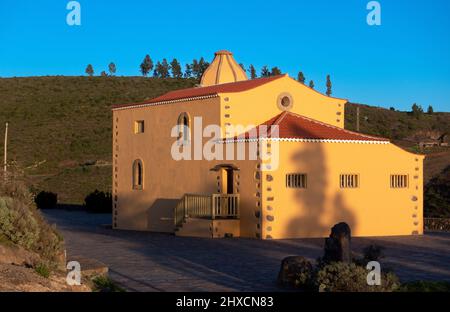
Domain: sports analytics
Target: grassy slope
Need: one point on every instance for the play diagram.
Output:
(59, 126)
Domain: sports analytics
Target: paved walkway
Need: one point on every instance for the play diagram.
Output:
(143, 261)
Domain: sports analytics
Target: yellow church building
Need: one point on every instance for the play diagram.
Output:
(314, 173)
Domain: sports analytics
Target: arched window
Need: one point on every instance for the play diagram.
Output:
(138, 175)
(184, 126)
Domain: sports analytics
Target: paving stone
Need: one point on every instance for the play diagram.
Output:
(143, 261)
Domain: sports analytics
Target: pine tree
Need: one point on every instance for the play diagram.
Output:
(90, 70)
(203, 65)
(146, 65)
(156, 73)
(301, 77)
(112, 68)
(311, 84)
(164, 69)
(188, 71)
(103, 74)
(252, 71)
(430, 110)
(328, 86)
(265, 71)
(242, 66)
(195, 69)
(416, 110)
(275, 71)
(175, 68)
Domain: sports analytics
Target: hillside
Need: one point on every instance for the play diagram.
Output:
(60, 127)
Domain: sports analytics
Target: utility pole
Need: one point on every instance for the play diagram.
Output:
(6, 149)
(357, 118)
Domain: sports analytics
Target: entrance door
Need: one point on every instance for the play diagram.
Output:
(227, 181)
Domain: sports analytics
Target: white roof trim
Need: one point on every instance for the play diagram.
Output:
(304, 140)
(168, 102)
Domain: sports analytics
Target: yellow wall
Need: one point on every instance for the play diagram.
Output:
(373, 209)
(165, 180)
(258, 105)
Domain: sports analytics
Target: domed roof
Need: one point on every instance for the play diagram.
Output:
(223, 69)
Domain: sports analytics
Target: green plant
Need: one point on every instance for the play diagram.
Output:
(22, 224)
(46, 200)
(43, 270)
(425, 286)
(349, 277)
(105, 284)
(98, 202)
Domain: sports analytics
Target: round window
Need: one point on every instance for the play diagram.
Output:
(285, 101)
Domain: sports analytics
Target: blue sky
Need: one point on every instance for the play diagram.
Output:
(405, 60)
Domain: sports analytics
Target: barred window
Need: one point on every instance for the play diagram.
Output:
(296, 180)
(349, 180)
(399, 181)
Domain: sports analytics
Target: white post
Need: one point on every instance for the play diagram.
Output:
(6, 149)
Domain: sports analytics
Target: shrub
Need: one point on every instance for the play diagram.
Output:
(425, 286)
(373, 253)
(46, 200)
(370, 253)
(43, 270)
(297, 272)
(105, 284)
(349, 277)
(22, 224)
(98, 202)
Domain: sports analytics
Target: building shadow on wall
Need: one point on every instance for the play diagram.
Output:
(320, 209)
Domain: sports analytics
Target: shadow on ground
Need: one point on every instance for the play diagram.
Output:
(144, 261)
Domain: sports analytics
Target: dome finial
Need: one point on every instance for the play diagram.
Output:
(223, 69)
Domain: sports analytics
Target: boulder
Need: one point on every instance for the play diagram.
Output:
(12, 254)
(337, 246)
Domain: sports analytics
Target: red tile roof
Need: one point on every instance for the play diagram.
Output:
(206, 91)
(294, 126)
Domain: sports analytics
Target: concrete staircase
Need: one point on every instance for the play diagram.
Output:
(195, 227)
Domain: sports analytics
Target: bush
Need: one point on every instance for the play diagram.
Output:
(370, 253)
(105, 284)
(46, 200)
(22, 224)
(349, 277)
(43, 270)
(98, 202)
(425, 286)
(297, 272)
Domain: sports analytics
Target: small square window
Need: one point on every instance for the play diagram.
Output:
(139, 126)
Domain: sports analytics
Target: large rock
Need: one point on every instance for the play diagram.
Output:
(17, 255)
(294, 270)
(337, 246)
